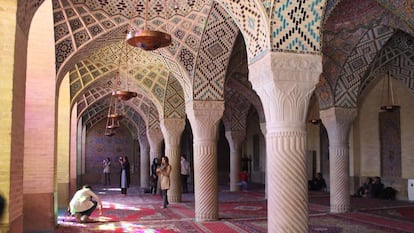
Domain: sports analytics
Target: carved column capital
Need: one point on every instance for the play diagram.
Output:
(205, 117)
(172, 129)
(285, 82)
(338, 122)
(235, 136)
(154, 136)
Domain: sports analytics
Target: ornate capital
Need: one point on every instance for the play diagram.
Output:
(155, 137)
(285, 83)
(235, 137)
(172, 129)
(338, 122)
(204, 117)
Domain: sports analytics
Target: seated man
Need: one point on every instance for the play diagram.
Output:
(317, 183)
(83, 203)
(364, 189)
(376, 188)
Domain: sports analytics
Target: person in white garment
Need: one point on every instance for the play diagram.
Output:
(83, 203)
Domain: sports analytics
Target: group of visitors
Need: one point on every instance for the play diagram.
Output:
(85, 201)
(161, 170)
(184, 174)
(374, 188)
(125, 174)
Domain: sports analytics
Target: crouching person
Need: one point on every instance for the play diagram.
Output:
(83, 203)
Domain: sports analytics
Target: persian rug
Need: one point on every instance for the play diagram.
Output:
(239, 212)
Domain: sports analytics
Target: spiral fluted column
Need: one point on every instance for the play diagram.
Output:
(155, 138)
(172, 130)
(263, 130)
(204, 117)
(235, 139)
(338, 122)
(144, 160)
(284, 83)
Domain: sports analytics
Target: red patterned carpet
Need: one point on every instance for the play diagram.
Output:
(238, 212)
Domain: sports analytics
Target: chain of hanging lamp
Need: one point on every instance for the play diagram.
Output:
(116, 110)
(388, 96)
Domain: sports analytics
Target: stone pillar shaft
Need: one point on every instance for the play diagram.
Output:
(144, 160)
(285, 83)
(235, 139)
(338, 122)
(172, 130)
(204, 117)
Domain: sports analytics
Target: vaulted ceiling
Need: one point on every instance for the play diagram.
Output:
(212, 44)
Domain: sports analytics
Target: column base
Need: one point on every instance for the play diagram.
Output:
(173, 199)
(206, 217)
(38, 212)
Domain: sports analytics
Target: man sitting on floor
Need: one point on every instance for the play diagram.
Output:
(83, 203)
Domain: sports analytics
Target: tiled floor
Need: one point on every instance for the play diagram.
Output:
(238, 212)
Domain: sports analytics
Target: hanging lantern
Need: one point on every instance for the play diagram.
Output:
(148, 39)
(390, 99)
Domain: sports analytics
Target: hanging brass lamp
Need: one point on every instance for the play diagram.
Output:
(113, 117)
(390, 104)
(148, 39)
(123, 94)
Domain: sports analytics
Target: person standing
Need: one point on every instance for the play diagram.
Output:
(154, 176)
(107, 171)
(185, 173)
(83, 203)
(125, 174)
(164, 172)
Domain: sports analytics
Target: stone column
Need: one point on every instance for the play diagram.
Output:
(40, 127)
(235, 139)
(155, 140)
(284, 83)
(338, 122)
(172, 130)
(263, 130)
(144, 159)
(204, 117)
(73, 151)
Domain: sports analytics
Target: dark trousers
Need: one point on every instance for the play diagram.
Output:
(89, 211)
(107, 179)
(164, 197)
(153, 184)
(184, 179)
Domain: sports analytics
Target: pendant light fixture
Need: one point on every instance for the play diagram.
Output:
(123, 94)
(389, 99)
(115, 114)
(148, 39)
(116, 109)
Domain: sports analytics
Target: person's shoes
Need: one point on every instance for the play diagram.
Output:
(78, 217)
(163, 207)
(84, 219)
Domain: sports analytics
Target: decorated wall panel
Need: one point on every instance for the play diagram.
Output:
(358, 62)
(98, 147)
(208, 83)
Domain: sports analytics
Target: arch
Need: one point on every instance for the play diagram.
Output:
(213, 57)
